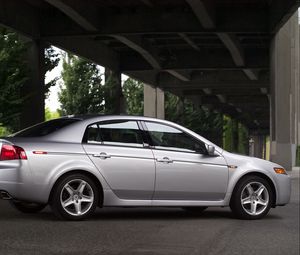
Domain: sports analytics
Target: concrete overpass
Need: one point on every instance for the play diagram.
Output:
(240, 57)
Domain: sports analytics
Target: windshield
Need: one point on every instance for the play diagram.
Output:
(45, 128)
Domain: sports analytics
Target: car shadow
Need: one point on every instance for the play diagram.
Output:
(124, 214)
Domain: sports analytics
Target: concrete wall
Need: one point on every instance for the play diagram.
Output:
(284, 97)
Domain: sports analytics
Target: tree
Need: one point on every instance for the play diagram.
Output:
(82, 92)
(13, 75)
(133, 92)
(201, 120)
(49, 115)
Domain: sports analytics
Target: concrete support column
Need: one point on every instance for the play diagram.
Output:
(259, 146)
(116, 103)
(154, 102)
(284, 95)
(33, 109)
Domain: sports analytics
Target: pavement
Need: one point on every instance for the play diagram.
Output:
(146, 231)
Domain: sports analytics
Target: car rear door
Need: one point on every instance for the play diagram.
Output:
(184, 171)
(117, 149)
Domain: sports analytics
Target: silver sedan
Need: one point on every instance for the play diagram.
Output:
(75, 164)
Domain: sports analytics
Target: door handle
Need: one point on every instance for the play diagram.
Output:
(102, 155)
(165, 160)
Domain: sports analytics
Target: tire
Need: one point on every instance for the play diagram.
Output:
(74, 197)
(252, 198)
(26, 207)
(195, 209)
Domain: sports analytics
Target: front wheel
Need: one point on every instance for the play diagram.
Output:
(75, 197)
(252, 198)
(27, 207)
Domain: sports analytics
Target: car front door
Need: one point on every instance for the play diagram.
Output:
(184, 171)
(117, 150)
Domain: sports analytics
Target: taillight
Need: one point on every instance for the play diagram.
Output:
(10, 152)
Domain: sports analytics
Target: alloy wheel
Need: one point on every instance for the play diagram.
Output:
(77, 197)
(254, 198)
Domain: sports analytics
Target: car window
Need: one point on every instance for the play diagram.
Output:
(169, 138)
(45, 128)
(123, 133)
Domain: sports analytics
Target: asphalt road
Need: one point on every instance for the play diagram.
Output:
(147, 231)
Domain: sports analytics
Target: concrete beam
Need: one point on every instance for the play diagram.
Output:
(281, 12)
(189, 41)
(148, 3)
(183, 76)
(146, 22)
(69, 8)
(21, 17)
(89, 49)
(212, 85)
(139, 45)
(211, 59)
(148, 53)
(231, 42)
(201, 10)
(222, 98)
(237, 53)
(251, 74)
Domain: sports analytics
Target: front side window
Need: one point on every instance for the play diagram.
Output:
(169, 138)
(122, 133)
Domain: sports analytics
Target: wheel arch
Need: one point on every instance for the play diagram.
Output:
(84, 172)
(262, 175)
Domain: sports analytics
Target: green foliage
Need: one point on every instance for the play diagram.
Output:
(243, 140)
(202, 121)
(13, 75)
(235, 136)
(4, 132)
(49, 115)
(298, 156)
(133, 92)
(83, 92)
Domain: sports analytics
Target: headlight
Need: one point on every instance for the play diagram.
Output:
(279, 170)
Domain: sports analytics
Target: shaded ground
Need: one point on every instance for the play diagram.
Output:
(152, 231)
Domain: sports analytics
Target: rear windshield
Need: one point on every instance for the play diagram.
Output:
(45, 128)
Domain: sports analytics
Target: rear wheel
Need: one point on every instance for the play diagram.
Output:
(252, 198)
(26, 207)
(75, 197)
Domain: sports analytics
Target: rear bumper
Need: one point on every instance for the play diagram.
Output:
(13, 176)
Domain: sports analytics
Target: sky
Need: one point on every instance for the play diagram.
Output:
(52, 101)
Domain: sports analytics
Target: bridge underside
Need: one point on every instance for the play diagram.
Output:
(235, 56)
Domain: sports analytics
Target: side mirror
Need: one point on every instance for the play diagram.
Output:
(211, 150)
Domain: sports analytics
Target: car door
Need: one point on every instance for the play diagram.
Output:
(184, 171)
(118, 151)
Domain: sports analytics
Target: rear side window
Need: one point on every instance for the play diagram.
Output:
(122, 133)
(45, 128)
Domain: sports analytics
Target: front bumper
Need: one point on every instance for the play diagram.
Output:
(284, 187)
